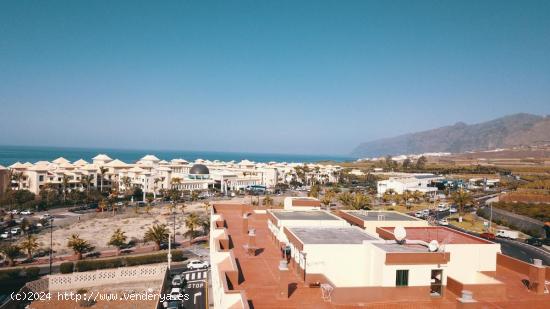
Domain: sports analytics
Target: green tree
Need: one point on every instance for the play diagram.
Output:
(118, 240)
(314, 191)
(346, 199)
(102, 172)
(192, 222)
(421, 163)
(157, 234)
(268, 201)
(10, 253)
(29, 245)
(461, 198)
(359, 201)
(79, 245)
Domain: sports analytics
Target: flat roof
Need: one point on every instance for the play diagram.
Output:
(331, 235)
(401, 248)
(304, 215)
(443, 235)
(374, 216)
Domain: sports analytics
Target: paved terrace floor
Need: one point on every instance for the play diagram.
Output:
(260, 277)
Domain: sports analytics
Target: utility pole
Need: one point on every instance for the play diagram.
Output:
(169, 251)
(51, 243)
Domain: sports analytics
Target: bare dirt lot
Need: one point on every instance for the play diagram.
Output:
(97, 228)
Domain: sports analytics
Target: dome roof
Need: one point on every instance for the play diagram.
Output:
(199, 169)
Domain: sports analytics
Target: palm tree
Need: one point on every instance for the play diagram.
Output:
(192, 222)
(314, 191)
(461, 198)
(65, 186)
(206, 206)
(346, 199)
(102, 172)
(157, 234)
(182, 208)
(194, 196)
(359, 201)
(17, 177)
(268, 201)
(205, 225)
(118, 240)
(86, 181)
(326, 200)
(126, 182)
(30, 244)
(155, 183)
(79, 245)
(175, 182)
(10, 253)
(102, 205)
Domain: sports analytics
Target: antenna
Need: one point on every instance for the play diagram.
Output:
(399, 233)
(433, 246)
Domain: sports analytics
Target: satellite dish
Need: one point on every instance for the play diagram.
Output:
(400, 233)
(433, 246)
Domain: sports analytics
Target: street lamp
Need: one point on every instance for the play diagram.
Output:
(51, 243)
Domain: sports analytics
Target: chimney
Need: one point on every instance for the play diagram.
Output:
(467, 300)
(537, 277)
(283, 280)
(245, 223)
(251, 245)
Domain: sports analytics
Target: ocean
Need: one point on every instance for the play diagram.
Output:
(12, 154)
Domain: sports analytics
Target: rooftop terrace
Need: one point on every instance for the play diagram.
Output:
(304, 215)
(331, 235)
(381, 216)
(443, 235)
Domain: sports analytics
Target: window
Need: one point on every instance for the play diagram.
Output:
(40, 178)
(402, 277)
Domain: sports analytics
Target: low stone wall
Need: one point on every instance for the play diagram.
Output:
(522, 223)
(106, 277)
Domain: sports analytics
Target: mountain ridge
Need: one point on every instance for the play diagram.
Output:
(520, 129)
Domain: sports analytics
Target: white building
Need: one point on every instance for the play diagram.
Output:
(153, 175)
(411, 182)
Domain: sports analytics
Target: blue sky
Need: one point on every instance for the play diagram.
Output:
(264, 76)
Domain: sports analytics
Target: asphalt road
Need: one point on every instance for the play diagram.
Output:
(512, 248)
(195, 288)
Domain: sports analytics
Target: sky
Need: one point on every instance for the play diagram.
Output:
(264, 76)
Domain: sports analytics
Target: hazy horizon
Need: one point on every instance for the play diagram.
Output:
(283, 77)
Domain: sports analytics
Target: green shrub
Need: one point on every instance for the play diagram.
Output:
(98, 264)
(32, 272)
(66, 267)
(177, 256)
(10, 274)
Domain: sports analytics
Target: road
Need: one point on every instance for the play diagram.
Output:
(512, 248)
(195, 290)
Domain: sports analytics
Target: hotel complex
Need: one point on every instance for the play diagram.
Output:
(153, 175)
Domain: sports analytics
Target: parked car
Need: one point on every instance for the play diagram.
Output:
(453, 210)
(507, 234)
(537, 242)
(174, 304)
(443, 222)
(197, 264)
(175, 294)
(45, 216)
(489, 236)
(27, 212)
(419, 214)
(442, 207)
(15, 230)
(176, 281)
(4, 235)
(14, 212)
(426, 212)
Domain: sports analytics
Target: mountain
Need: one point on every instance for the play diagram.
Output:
(509, 131)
